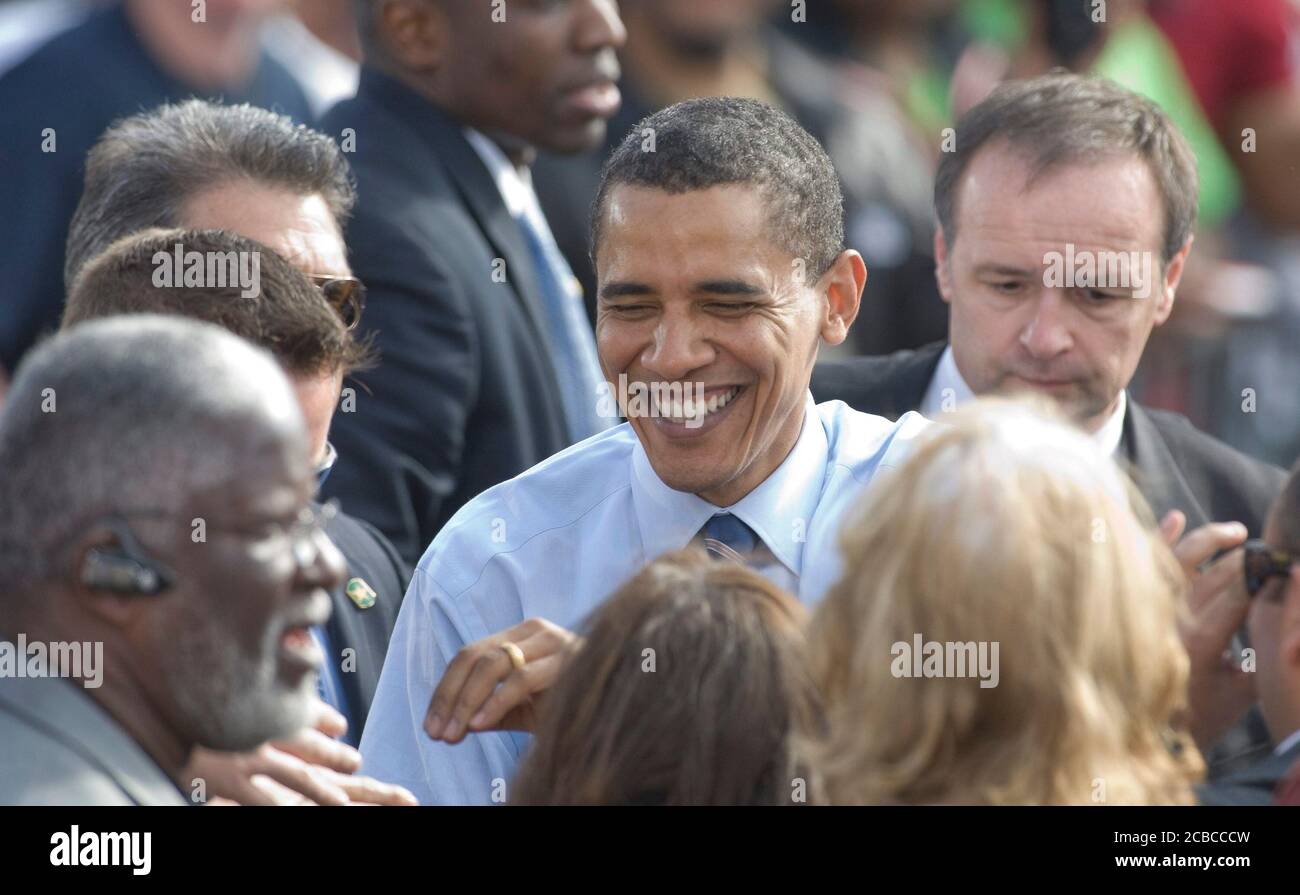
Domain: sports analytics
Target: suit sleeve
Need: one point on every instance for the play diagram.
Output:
(401, 441)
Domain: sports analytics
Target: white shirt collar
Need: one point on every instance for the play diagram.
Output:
(1287, 743)
(514, 184)
(948, 391)
(779, 510)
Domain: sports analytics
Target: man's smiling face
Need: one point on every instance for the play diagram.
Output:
(692, 289)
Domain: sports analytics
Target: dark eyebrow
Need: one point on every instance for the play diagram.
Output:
(1005, 270)
(727, 287)
(624, 290)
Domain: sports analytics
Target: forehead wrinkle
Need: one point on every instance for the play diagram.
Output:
(1066, 195)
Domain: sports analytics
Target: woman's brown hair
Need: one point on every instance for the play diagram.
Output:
(690, 680)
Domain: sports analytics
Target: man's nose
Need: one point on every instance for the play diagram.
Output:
(1047, 334)
(320, 564)
(599, 26)
(678, 348)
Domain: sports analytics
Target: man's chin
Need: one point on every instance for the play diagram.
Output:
(575, 139)
(1075, 404)
(261, 717)
(702, 480)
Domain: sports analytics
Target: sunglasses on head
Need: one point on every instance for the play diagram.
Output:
(1263, 562)
(346, 295)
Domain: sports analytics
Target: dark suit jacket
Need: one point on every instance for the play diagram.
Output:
(1175, 465)
(76, 84)
(465, 395)
(366, 631)
(1256, 785)
(61, 748)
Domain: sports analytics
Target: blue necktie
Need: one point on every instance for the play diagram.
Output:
(329, 685)
(574, 346)
(726, 536)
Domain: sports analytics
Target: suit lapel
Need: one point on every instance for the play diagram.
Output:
(484, 201)
(1155, 471)
(471, 179)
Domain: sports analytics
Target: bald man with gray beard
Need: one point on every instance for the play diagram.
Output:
(157, 496)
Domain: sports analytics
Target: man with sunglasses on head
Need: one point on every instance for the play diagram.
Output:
(288, 317)
(158, 424)
(201, 165)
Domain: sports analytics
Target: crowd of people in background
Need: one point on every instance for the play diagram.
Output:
(650, 402)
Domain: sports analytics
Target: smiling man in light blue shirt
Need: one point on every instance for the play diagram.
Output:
(718, 241)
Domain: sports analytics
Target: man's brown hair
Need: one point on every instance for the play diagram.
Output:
(1062, 119)
(707, 723)
(289, 316)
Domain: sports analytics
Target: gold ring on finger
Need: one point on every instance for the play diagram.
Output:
(515, 653)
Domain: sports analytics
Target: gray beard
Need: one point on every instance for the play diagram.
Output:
(228, 699)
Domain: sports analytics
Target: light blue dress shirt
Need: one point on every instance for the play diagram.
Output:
(556, 540)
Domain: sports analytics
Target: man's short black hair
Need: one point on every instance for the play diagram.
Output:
(703, 143)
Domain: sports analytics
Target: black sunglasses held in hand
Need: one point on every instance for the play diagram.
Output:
(1263, 562)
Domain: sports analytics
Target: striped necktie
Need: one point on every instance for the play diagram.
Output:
(725, 536)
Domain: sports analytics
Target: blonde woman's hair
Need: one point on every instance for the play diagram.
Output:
(1009, 527)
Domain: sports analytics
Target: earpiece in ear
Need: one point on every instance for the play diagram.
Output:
(125, 568)
(106, 569)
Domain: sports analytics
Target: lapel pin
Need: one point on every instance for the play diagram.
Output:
(361, 593)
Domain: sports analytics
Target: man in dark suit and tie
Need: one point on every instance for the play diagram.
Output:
(488, 363)
(1066, 214)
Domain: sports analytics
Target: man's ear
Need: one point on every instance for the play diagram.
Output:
(842, 284)
(415, 32)
(1173, 275)
(942, 269)
(119, 610)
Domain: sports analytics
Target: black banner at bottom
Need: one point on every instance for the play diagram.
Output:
(433, 846)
